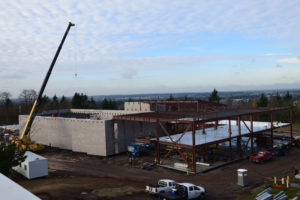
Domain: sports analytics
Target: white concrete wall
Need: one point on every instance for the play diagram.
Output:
(95, 137)
(82, 135)
(137, 107)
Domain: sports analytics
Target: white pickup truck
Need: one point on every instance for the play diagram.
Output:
(184, 191)
(163, 186)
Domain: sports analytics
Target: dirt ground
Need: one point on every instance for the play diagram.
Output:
(78, 176)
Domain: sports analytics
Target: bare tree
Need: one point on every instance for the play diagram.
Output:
(28, 96)
(5, 97)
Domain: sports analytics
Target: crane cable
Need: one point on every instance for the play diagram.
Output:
(75, 53)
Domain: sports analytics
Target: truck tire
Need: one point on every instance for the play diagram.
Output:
(202, 196)
(261, 161)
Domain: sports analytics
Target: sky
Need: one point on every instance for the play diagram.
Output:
(150, 46)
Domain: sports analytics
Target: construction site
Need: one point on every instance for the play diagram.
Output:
(181, 138)
(114, 154)
(186, 140)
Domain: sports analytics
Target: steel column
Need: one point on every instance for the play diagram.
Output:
(251, 134)
(230, 145)
(157, 143)
(271, 119)
(291, 124)
(194, 147)
(239, 137)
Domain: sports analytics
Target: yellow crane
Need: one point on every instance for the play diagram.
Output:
(24, 142)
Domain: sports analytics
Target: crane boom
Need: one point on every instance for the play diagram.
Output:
(37, 102)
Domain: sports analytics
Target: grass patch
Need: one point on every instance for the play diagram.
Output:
(115, 192)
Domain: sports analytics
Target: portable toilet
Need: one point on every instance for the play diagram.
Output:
(242, 176)
(34, 166)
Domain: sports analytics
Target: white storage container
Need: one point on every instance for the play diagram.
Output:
(34, 166)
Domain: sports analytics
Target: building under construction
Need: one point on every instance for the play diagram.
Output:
(186, 131)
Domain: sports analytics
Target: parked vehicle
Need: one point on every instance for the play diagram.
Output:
(297, 141)
(184, 191)
(281, 149)
(163, 186)
(136, 148)
(262, 156)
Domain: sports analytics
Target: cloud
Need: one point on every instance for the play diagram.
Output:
(130, 74)
(109, 35)
(290, 60)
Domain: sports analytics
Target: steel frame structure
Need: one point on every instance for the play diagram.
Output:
(195, 120)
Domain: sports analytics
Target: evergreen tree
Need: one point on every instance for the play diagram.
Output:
(44, 99)
(62, 100)
(10, 157)
(77, 101)
(276, 100)
(92, 103)
(171, 98)
(263, 101)
(287, 99)
(55, 100)
(105, 104)
(214, 97)
(64, 103)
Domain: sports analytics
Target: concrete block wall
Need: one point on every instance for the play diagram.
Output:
(137, 107)
(81, 135)
(101, 137)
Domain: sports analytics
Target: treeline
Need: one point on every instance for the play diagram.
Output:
(9, 110)
(263, 101)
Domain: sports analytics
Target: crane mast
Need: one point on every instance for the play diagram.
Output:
(24, 141)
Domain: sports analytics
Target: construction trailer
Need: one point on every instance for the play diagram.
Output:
(237, 128)
(34, 166)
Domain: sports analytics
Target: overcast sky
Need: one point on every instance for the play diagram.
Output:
(139, 46)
